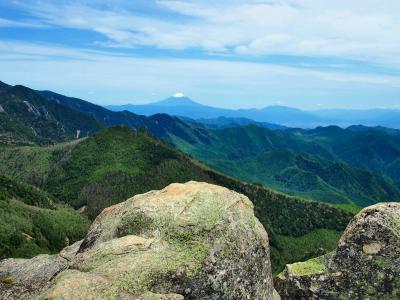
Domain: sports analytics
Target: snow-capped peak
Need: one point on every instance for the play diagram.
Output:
(179, 95)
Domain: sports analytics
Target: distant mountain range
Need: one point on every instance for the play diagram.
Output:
(180, 105)
(329, 164)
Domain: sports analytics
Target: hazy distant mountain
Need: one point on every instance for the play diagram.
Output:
(176, 105)
(178, 100)
(287, 116)
(370, 117)
(180, 105)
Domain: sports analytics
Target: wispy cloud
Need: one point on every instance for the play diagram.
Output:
(118, 51)
(24, 23)
(51, 53)
(115, 77)
(365, 30)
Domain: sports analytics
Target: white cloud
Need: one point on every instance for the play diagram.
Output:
(358, 29)
(26, 23)
(79, 72)
(25, 52)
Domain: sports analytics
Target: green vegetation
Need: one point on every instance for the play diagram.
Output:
(100, 171)
(313, 244)
(322, 164)
(312, 266)
(119, 162)
(25, 193)
(349, 167)
(32, 222)
(29, 118)
(328, 164)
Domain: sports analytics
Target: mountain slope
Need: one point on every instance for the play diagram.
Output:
(32, 222)
(117, 163)
(174, 106)
(272, 114)
(178, 100)
(26, 118)
(161, 125)
(239, 151)
(307, 163)
(277, 114)
(224, 122)
(374, 148)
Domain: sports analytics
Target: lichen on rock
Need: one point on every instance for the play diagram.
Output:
(365, 265)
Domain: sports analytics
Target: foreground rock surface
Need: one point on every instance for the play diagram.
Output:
(187, 241)
(25, 278)
(365, 265)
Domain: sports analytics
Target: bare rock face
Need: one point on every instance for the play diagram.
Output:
(69, 252)
(187, 241)
(25, 278)
(365, 265)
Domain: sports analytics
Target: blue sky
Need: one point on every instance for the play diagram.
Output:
(238, 54)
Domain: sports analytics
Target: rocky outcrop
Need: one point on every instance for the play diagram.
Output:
(187, 241)
(365, 265)
(26, 278)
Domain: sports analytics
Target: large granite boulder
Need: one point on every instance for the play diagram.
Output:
(365, 265)
(187, 241)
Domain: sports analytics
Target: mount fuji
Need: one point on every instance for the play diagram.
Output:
(178, 105)
(177, 100)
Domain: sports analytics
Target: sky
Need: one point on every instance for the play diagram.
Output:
(236, 54)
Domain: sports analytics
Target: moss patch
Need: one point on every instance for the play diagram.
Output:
(7, 280)
(134, 223)
(309, 267)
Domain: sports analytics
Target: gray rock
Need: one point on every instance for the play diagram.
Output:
(365, 265)
(69, 252)
(25, 278)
